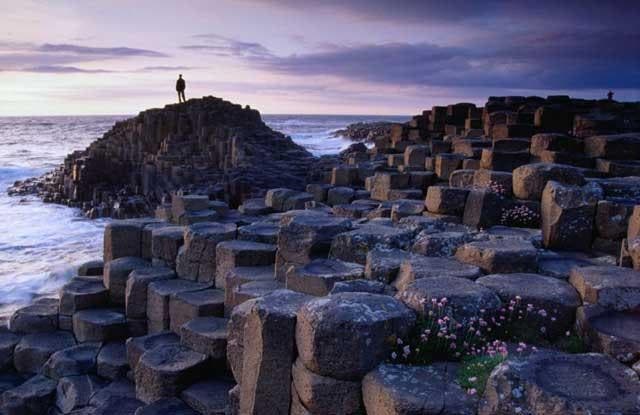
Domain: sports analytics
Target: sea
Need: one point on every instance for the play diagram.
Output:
(41, 245)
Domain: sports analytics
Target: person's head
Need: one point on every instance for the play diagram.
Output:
(180, 76)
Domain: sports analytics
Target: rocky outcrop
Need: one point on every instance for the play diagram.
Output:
(365, 131)
(349, 297)
(207, 146)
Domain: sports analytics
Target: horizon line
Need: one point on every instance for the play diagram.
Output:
(261, 113)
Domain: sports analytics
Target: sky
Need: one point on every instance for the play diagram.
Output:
(311, 56)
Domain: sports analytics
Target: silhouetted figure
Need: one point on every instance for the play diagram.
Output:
(610, 95)
(180, 87)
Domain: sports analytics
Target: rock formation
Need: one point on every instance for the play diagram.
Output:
(207, 145)
(522, 216)
(365, 131)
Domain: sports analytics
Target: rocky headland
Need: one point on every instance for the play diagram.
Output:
(209, 146)
(365, 131)
(475, 260)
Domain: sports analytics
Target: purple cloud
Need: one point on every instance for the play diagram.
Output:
(99, 51)
(166, 68)
(549, 60)
(227, 47)
(587, 13)
(58, 58)
(63, 69)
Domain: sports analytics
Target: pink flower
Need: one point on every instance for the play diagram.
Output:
(472, 391)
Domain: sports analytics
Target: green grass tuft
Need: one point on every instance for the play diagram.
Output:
(474, 371)
(571, 344)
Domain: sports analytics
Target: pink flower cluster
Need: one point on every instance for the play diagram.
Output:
(497, 188)
(520, 215)
(440, 337)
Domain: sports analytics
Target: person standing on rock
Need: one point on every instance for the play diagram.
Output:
(180, 87)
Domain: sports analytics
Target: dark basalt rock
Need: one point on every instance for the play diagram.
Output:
(344, 335)
(554, 383)
(398, 389)
(363, 248)
(365, 131)
(196, 145)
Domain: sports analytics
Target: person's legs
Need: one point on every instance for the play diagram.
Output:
(179, 97)
(184, 99)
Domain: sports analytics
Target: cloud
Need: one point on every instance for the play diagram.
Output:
(17, 61)
(401, 10)
(167, 68)
(8, 46)
(385, 63)
(99, 51)
(575, 44)
(590, 13)
(227, 47)
(62, 58)
(63, 69)
(550, 60)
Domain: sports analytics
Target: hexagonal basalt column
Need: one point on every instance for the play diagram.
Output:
(165, 371)
(547, 383)
(345, 335)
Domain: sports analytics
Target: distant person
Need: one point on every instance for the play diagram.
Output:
(610, 95)
(180, 87)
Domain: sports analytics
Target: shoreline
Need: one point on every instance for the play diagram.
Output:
(37, 275)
